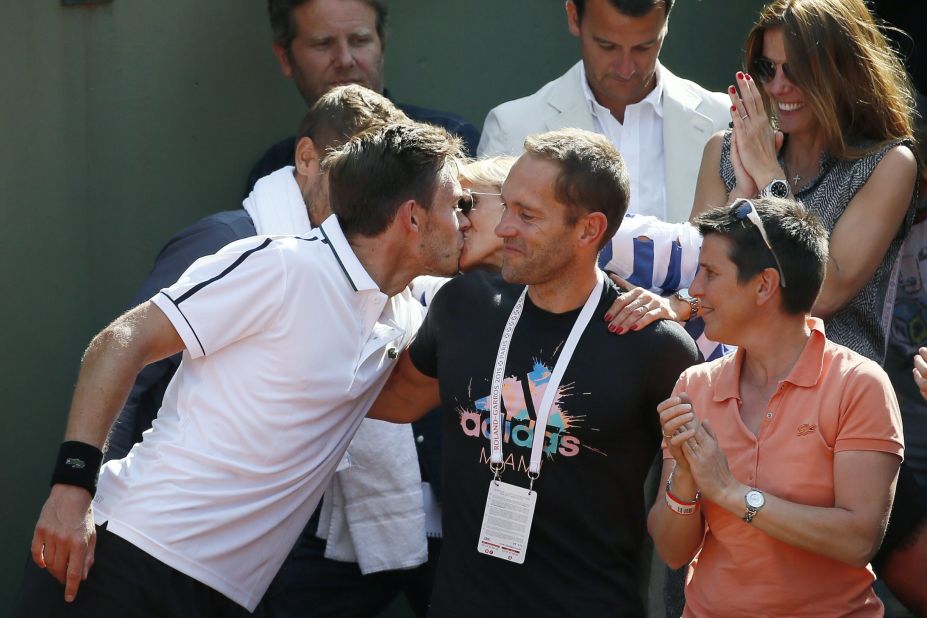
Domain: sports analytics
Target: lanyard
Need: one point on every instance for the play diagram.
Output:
(547, 402)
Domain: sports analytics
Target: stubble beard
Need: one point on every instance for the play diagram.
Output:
(539, 266)
(440, 259)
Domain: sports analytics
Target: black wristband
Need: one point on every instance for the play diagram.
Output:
(78, 464)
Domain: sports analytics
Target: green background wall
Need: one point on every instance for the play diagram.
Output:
(125, 122)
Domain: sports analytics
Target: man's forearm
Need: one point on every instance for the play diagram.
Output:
(407, 396)
(109, 366)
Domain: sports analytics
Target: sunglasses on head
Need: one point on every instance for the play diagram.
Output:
(744, 210)
(466, 203)
(764, 70)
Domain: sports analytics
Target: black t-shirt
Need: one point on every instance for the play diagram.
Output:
(589, 521)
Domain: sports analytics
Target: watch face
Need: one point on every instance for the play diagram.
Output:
(755, 499)
(778, 188)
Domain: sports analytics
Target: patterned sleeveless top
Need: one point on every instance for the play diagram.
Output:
(863, 323)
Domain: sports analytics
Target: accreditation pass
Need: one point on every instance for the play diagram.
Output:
(507, 521)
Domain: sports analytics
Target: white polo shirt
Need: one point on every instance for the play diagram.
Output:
(288, 342)
(640, 141)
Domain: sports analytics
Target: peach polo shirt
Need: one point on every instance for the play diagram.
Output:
(833, 400)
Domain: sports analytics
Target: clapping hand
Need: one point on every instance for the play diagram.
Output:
(920, 371)
(754, 144)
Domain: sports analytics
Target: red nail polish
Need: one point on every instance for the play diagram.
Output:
(608, 317)
(619, 330)
(732, 90)
(748, 77)
(733, 108)
(635, 327)
(611, 328)
(740, 75)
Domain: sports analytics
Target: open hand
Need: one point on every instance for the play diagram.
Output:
(757, 144)
(638, 307)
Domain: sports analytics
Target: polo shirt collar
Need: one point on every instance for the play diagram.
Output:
(727, 384)
(358, 277)
(654, 98)
(810, 364)
(805, 373)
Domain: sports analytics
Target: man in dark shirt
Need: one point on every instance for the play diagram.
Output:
(321, 44)
(564, 199)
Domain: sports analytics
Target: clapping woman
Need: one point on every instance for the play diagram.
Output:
(823, 113)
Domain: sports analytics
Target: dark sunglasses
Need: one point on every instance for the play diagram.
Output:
(744, 210)
(764, 70)
(466, 203)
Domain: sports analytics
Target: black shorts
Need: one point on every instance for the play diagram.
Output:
(125, 582)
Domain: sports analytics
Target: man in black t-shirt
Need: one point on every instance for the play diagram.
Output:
(564, 198)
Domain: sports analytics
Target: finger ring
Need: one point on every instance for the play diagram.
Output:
(641, 309)
(667, 435)
(745, 116)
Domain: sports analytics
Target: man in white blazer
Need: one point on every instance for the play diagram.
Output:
(659, 122)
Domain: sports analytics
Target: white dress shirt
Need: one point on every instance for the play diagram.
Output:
(640, 141)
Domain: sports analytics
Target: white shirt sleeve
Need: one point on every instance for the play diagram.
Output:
(424, 288)
(654, 254)
(227, 296)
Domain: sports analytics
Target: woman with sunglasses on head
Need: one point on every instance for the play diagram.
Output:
(824, 114)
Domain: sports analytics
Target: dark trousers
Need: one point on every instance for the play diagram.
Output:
(310, 585)
(125, 582)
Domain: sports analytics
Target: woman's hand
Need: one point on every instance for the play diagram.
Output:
(677, 421)
(745, 186)
(707, 462)
(636, 308)
(757, 144)
(920, 371)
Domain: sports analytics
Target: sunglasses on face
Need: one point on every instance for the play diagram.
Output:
(764, 70)
(466, 203)
(744, 210)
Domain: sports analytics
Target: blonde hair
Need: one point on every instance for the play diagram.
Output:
(489, 171)
(854, 82)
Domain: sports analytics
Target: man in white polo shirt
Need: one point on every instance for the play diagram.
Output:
(658, 121)
(286, 342)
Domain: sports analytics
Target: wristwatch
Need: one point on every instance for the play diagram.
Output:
(694, 303)
(755, 500)
(776, 188)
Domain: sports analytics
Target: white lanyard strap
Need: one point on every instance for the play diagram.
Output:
(495, 390)
(553, 384)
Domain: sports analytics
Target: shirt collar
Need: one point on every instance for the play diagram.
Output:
(807, 370)
(805, 373)
(654, 98)
(333, 236)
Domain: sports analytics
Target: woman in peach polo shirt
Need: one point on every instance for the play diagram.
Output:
(780, 460)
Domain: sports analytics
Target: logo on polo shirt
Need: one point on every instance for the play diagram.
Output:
(805, 428)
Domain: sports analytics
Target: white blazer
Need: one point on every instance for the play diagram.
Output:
(691, 115)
